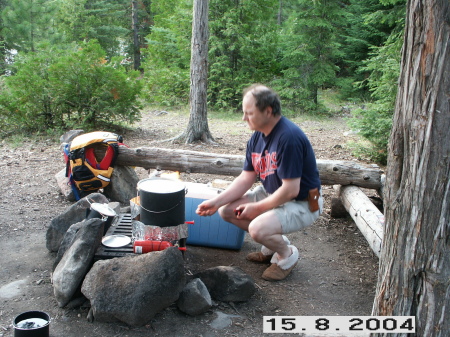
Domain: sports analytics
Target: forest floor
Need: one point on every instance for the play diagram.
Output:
(336, 275)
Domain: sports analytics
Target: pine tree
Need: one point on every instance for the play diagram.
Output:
(310, 50)
(108, 22)
(3, 47)
(381, 68)
(27, 23)
(243, 48)
(166, 57)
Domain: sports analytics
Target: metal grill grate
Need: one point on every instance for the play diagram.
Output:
(123, 227)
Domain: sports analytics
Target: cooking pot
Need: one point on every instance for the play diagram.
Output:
(162, 202)
(32, 324)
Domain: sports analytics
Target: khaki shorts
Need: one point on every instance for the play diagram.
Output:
(293, 215)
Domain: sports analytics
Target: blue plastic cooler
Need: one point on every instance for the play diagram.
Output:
(210, 231)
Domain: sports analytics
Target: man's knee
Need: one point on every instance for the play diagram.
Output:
(226, 212)
(256, 232)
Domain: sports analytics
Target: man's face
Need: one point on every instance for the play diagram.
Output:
(256, 119)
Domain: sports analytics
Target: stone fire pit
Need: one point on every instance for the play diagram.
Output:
(134, 288)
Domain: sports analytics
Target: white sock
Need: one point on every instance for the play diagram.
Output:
(267, 251)
(287, 262)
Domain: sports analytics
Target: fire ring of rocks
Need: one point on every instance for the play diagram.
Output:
(133, 288)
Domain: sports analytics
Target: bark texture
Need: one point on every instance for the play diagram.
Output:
(414, 275)
(197, 128)
(136, 44)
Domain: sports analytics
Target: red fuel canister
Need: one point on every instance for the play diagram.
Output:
(146, 246)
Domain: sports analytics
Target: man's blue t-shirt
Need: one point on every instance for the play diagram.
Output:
(284, 154)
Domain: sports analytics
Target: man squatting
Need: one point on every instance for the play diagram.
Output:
(289, 199)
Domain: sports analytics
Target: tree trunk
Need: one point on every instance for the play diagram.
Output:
(136, 44)
(414, 275)
(197, 128)
(3, 55)
(280, 13)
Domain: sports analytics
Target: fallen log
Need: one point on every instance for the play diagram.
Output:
(338, 210)
(366, 215)
(331, 171)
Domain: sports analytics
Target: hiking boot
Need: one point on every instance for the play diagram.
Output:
(275, 273)
(259, 257)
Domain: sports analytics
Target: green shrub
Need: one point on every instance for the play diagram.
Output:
(72, 88)
(374, 123)
(166, 86)
(26, 102)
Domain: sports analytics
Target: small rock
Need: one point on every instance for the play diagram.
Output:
(228, 284)
(195, 298)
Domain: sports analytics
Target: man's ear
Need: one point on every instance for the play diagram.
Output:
(269, 110)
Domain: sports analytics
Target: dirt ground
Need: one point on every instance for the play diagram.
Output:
(336, 275)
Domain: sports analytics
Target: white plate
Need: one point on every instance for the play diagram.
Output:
(116, 240)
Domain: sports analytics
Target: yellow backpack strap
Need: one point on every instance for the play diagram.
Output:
(93, 137)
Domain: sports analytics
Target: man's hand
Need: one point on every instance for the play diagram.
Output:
(247, 211)
(206, 208)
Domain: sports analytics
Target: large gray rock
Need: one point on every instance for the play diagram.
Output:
(195, 298)
(67, 241)
(70, 135)
(228, 284)
(73, 214)
(123, 184)
(74, 265)
(133, 289)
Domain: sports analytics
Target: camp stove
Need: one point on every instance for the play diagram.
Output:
(157, 219)
(150, 238)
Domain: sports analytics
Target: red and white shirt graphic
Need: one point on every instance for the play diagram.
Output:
(264, 165)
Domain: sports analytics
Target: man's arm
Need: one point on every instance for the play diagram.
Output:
(286, 192)
(235, 191)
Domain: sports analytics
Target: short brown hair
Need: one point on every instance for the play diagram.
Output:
(264, 97)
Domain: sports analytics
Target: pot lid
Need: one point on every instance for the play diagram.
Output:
(161, 186)
(103, 209)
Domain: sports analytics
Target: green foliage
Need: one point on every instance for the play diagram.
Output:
(310, 48)
(243, 48)
(27, 23)
(26, 99)
(74, 88)
(108, 22)
(311, 44)
(167, 56)
(369, 25)
(375, 122)
(299, 47)
(363, 29)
